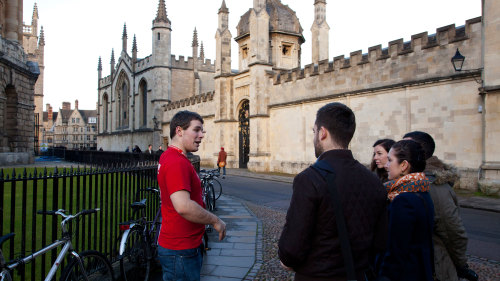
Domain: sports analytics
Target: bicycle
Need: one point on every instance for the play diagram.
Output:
(210, 187)
(139, 242)
(87, 265)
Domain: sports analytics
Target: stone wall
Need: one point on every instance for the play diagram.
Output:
(17, 82)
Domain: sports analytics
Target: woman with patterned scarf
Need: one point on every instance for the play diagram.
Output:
(409, 254)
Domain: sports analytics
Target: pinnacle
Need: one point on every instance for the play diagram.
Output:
(99, 64)
(134, 45)
(124, 31)
(161, 14)
(202, 50)
(223, 7)
(195, 38)
(35, 11)
(112, 56)
(41, 41)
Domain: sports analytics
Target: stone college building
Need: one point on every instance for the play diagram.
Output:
(263, 113)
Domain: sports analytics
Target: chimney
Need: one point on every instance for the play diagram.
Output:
(66, 105)
(50, 114)
(76, 104)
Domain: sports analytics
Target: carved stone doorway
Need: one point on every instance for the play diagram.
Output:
(244, 133)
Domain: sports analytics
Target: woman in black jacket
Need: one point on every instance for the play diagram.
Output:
(409, 254)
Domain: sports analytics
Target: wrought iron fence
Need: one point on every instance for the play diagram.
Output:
(110, 188)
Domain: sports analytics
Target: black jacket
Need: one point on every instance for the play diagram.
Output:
(309, 242)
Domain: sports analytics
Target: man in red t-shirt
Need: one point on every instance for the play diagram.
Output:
(183, 215)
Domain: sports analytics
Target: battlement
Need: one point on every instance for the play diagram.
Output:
(181, 63)
(144, 63)
(204, 97)
(421, 45)
(106, 81)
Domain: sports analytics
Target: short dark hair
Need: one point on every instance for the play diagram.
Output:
(412, 152)
(425, 140)
(339, 120)
(183, 119)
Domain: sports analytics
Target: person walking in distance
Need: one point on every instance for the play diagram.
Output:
(221, 161)
(183, 214)
(310, 243)
(150, 149)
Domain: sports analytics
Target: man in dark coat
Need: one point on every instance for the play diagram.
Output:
(309, 243)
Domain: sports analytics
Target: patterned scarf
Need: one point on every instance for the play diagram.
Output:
(415, 182)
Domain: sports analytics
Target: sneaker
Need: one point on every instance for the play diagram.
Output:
(223, 177)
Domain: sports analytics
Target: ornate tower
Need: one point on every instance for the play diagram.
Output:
(223, 40)
(162, 36)
(320, 30)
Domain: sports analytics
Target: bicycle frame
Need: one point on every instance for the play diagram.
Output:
(67, 248)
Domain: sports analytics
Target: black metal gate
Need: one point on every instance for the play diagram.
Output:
(244, 130)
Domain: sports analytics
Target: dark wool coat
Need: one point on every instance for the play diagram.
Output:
(309, 242)
(409, 250)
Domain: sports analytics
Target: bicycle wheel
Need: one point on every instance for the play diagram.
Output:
(211, 195)
(95, 264)
(135, 263)
(217, 188)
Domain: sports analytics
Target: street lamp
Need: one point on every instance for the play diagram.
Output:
(458, 61)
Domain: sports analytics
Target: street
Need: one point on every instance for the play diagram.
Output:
(483, 227)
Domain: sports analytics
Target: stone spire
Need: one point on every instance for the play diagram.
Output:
(161, 15)
(35, 12)
(223, 8)
(41, 41)
(134, 52)
(195, 38)
(124, 38)
(202, 52)
(99, 64)
(134, 45)
(112, 62)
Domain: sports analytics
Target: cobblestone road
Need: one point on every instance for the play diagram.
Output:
(273, 221)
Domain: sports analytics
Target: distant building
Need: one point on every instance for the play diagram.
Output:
(70, 128)
(18, 75)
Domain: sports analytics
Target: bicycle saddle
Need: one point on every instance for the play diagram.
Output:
(139, 204)
(5, 238)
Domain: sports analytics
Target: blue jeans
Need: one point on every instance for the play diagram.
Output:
(224, 170)
(181, 265)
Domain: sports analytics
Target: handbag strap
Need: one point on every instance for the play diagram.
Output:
(328, 173)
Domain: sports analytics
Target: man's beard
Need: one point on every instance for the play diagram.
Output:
(318, 150)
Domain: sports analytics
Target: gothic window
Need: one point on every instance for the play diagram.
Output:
(144, 103)
(158, 35)
(105, 112)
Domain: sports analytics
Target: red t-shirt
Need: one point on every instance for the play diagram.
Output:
(176, 173)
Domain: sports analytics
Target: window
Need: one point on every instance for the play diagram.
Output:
(95, 137)
(286, 49)
(81, 130)
(158, 35)
(77, 120)
(75, 129)
(88, 129)
(49, 140)
(88, 138)
(72, 120)
(244, 51)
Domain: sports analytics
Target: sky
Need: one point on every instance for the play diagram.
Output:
(78, 32)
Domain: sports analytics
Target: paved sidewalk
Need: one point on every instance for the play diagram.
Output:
(239, 255)
(472, 202)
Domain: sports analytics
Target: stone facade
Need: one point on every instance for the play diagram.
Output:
(18, 76)
(34, 46)
(131, 99)
(71, 128)
(406, 86)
